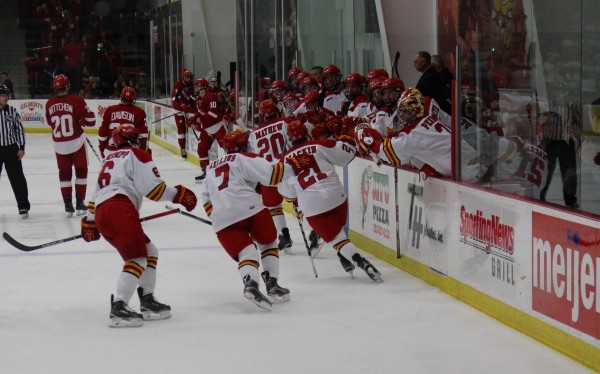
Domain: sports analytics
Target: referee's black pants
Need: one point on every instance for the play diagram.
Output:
(566, 155)
(14, 170)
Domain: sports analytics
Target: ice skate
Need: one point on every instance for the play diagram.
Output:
(347, 265)
(275, 292)
(183, 153)
(68, 206)
(24, 213)
(80, 206)
(252, 293)
(121, 315)
(316, 243)
(201, 177)
(285, 241)
(364, 264)
(151, 308)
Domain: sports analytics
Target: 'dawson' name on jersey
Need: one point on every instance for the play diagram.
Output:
(122, 115)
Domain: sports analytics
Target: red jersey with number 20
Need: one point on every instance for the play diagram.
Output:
(66, 115)
(317, 186)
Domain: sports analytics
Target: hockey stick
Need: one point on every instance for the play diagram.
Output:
(395, 65)
(305, 241)
(203, 220)
(26, 248)
(93, 150)
(169, 116)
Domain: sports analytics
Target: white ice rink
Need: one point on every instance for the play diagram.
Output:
(54, 303)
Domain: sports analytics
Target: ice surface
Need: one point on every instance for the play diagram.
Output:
(54, 303)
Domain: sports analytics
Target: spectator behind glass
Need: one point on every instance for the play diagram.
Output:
(561, 140)
(141, 86)
(9, 84)
(445, 82)
(429, 83)
(317, 73)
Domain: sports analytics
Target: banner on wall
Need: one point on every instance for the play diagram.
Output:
(422, 218)
(375, 216)
(566, 272)
(33, 112)
(487, 244)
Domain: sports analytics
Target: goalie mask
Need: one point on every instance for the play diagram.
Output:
(411, 108)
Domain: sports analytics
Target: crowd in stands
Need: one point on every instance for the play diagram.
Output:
(67, 37)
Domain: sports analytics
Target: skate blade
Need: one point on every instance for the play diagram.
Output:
(119, 322)
(376, 277)
(279, 299)
(263, 304)
(152, 316)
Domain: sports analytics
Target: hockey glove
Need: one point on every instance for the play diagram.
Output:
(89, 232)
(367, 139)
(185, 197)
(347, 132)
(300, 162)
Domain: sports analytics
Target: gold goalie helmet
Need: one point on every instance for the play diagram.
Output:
(411, 106)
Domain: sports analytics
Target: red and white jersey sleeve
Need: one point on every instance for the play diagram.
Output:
(432, 108)
(359, 108)
(317, 186)
(117, 115)
(428, 142)
(67, 115)
(229, 194)
(130, 171)
(334, 102)
(383, 122)
(269, 141)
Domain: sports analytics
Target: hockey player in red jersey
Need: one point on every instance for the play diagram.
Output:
(67, 115)
(209, 122)
(269, 142)
(124, 113)
(182, 99)
(319, 192)
(356, 105)
(332, 89)
(240, 219)
(126, 177)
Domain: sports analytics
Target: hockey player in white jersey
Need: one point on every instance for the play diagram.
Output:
(240, 219)
(126, 177)
(319, 192)
(269, 142)
(424, 143)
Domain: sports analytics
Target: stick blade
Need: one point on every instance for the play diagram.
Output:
(12, 241)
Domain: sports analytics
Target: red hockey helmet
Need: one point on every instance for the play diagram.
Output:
(187, 74)
(128, 94)
(394, 83)
(331, 70)
(297, 132)
(376, 83)
(235, 141)
(125, 135)
(293, 72)
(308, 82)
(354, 78)
(60, 82)
(278, 85)
(267, 108)
(377, 73)
(297, 81)
(289, 101)
(201, 82)
(311, 97)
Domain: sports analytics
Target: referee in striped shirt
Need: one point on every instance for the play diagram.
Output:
(12, 150)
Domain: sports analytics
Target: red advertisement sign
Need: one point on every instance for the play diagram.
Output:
(566, 272)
